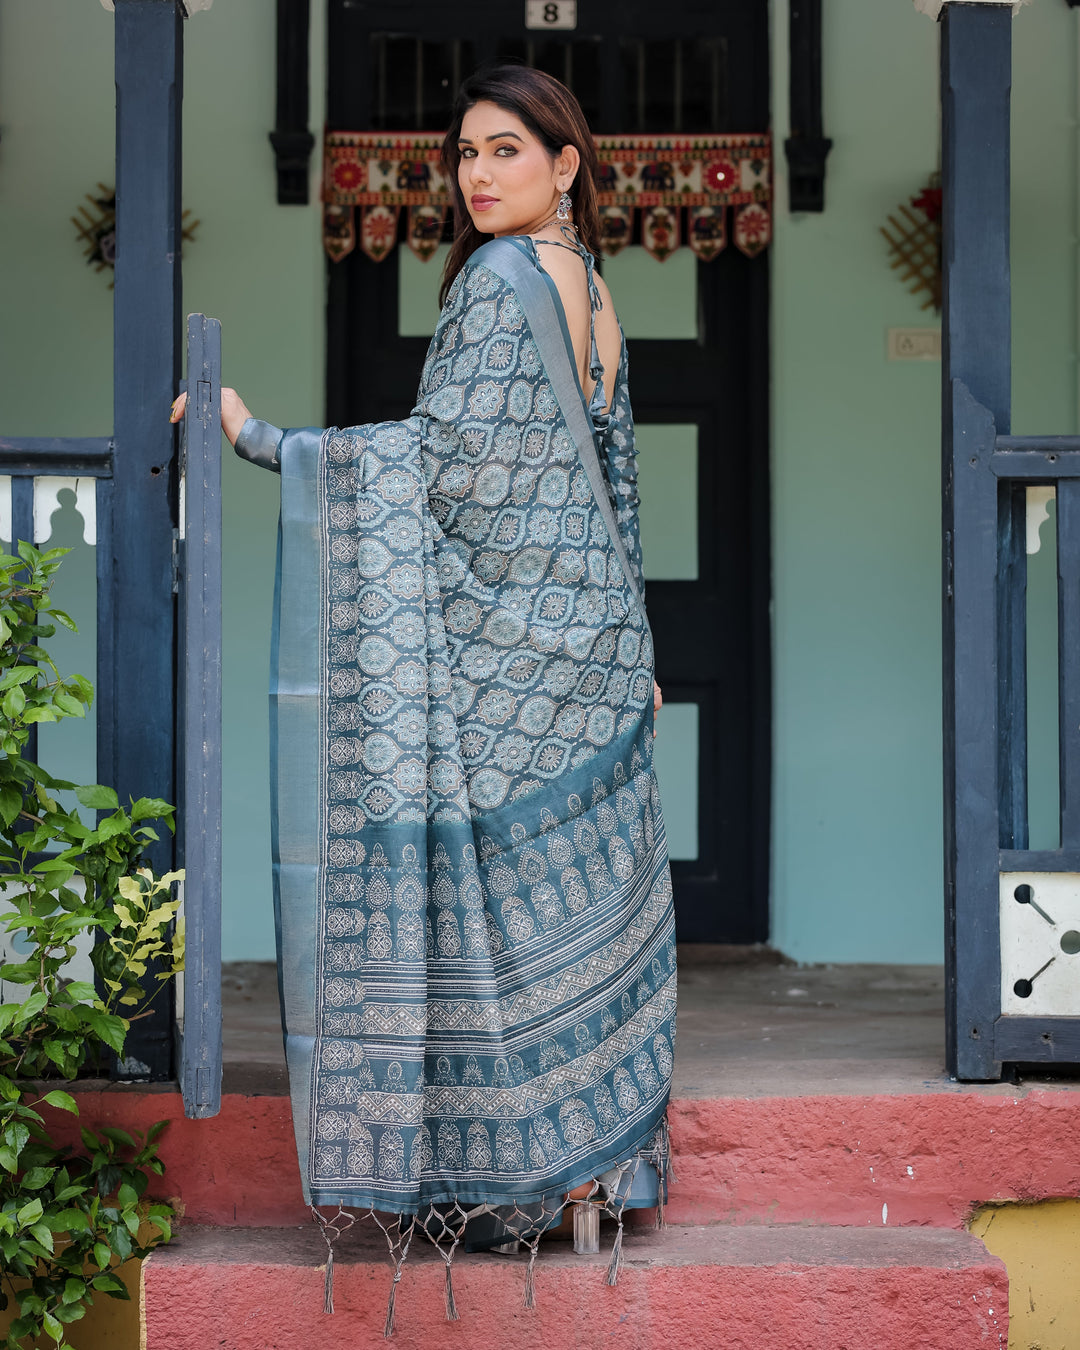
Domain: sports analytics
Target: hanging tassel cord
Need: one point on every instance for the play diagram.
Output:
(398, 1237)
(529, 1300)
(451, 1306)
(328, 1284)
(616, 1254)
(388, 1328)
(331, 1229)
(443, 1224)
(617, 1196)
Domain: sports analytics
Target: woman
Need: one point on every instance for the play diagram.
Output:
(474, 903)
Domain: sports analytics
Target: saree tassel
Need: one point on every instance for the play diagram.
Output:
(328, 1282)
(665, 1146)
(388, 1329)
(451, 1306)
(616, 1253)
(529, 1300)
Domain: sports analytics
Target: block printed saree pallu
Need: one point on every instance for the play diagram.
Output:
(473, 898)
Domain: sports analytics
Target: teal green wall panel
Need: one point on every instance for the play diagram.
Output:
(260, 269)
(418, 290)
(856, 496)
(667, 484)
(857, 777)
(654, 299)
(257, 266)
(675, 756)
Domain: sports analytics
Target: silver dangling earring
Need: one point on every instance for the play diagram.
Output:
(565, 206)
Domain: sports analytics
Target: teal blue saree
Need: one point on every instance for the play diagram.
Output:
(475, 924)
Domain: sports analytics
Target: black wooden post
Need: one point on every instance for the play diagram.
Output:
(983, 743)
(139, 757)
(291, 139)
(807, 147)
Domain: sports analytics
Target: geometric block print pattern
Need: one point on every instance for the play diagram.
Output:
(536, 654)
(496, 1006)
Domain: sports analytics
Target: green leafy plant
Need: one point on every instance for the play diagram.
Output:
(68, 1219)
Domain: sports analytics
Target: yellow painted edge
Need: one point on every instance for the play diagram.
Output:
(142, 1299)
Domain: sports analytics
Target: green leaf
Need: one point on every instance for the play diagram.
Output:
(62, 1101)
(108, 1028)
(33, 1005)
(151, 808)
(16, 1136)
(98, 797)
(67, 703)
(111, 826)
(36, 1177)
(78, 990)
(68, 1221)
(51, 1326)
(74, 1289)
(11, 800)
(63, 617)
(18, 675)
(109, 1284)
(42, 1236)
(30, 1213)
(13, 702)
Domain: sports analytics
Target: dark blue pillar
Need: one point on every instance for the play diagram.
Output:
(136, 686)
(984, 697)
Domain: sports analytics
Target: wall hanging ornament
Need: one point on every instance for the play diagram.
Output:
(96, 227)
(914, 238)
(675, 190)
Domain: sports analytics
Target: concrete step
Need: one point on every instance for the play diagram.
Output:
(881, 1160)
(783, 1287)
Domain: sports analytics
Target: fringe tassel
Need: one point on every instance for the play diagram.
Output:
(616, 1253)
(451, 1306)
(530, 1282)
(388, 1329)
(328, 1283)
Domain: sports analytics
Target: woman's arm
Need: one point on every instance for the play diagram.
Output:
(234, 413)
(253, 440)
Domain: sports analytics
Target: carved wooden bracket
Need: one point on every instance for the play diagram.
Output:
(291, 139)
(807, 146)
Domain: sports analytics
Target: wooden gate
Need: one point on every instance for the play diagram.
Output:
(1012, 913)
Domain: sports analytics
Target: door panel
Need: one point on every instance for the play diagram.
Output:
(698, 344)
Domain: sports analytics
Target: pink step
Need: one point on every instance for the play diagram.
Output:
(881, 1160)
(746, 1288)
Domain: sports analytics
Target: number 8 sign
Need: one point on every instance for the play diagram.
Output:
(550, 13)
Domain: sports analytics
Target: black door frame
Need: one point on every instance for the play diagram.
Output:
(392, 380)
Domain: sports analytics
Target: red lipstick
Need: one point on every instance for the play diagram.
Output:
(482, 203)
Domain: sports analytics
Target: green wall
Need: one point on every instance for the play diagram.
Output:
(256, 266)
(857, 798)
(857, 794)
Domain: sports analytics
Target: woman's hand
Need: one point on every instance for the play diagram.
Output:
(234, 413)
(657, 698)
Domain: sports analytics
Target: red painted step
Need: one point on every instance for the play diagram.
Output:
(739, 1288)
(881, 1160)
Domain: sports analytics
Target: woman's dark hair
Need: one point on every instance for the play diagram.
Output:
(551, 112)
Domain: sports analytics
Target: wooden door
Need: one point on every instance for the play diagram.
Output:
(698, 343)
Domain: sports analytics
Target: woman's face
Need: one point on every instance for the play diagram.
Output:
(510, 183)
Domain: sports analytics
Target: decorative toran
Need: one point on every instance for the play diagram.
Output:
(681, 187)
